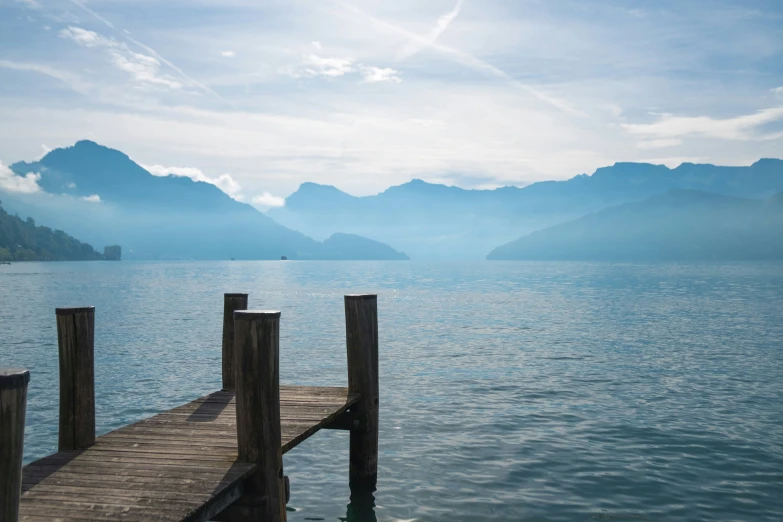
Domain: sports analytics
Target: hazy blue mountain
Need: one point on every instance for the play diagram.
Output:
(680, 225)
(22, 240)
(435, 221)
(350, 246)
(154, 217)
(88, 169)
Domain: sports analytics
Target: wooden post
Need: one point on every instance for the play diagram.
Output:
(231, 303)
(76, 339)
(13, 403)
(361, 332)
(257, 360)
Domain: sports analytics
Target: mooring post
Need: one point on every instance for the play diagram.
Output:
(231, 303)
(361, 332)
(76, 340)
(13, 403)
(257, 360)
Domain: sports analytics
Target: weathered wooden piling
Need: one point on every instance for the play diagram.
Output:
(76, 340)
(231, 303)
(13, 403)
(361, 331)
(218, 457)
(257, 360)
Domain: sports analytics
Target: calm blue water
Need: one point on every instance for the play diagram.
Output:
(509, 391)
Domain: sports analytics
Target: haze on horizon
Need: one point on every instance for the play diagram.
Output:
(364, 94)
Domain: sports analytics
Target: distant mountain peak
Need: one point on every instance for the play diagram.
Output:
(310, 186)
(419, 186)
(88, 143)
(83, 146)
(314, 196)
(86, 151)
(173, 216)
(769, 162)
(625, 169)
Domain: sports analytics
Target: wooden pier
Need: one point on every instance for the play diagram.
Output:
(216, 458)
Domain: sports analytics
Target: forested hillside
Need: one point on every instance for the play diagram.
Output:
(22, 240)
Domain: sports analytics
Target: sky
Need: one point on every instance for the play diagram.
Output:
(261, 96)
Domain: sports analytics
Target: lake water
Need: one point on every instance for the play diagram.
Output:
(509, 391)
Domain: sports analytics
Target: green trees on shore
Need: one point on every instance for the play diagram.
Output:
(22, 240)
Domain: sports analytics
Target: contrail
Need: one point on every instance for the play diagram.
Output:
(465, 59)
(154, 53)
(440, 27)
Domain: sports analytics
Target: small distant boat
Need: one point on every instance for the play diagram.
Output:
(283, 258)
(4, 263)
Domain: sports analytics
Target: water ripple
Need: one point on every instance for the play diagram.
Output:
(509, 391)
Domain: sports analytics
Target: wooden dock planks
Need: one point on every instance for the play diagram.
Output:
(178, 465)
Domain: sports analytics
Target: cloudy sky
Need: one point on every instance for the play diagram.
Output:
(259, 96)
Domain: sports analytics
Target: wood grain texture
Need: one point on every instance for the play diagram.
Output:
(259, 434)
(181, 464)
(231, 303)
(76, 342)
(361, 332)
(13, 403)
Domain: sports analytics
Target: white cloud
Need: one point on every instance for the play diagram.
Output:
(739, 128)
(364, 145)
(10, 182)
(224, 182)
(440, 27)
(95, 198)
(86, 38)
(314, 65)
(152, 52)
(144, 69)
(378, 75)
(45, 149)
(615, 110)
(228, 54)
(73, 80)
(778, 91)
(461, 108)
(659, 144)
(266, 201)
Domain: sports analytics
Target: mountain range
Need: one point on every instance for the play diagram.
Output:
(680, 225)
(430, 221)
(625, 211)
(101, 196)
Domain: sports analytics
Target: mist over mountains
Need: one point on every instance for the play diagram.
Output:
(22, 240)
(680, 225)
(431, 221)
(101, 196)
(626, 211)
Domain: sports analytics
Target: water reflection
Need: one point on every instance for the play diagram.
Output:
(362, 505)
